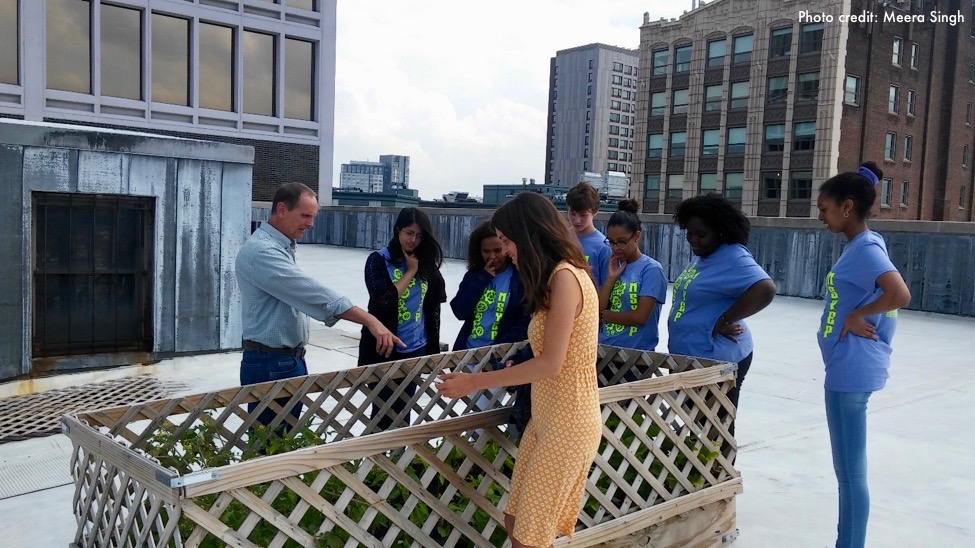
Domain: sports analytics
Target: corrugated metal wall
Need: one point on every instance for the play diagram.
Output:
(202, 191)
(936, 259)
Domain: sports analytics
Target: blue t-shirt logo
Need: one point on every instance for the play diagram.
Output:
(489, 309)
(680, 291)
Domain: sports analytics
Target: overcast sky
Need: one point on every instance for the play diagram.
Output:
(461, 87)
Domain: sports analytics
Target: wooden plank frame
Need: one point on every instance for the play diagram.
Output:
(200, 470)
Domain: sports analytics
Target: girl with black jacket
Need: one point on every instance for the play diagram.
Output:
(405, 292)
(490, 297)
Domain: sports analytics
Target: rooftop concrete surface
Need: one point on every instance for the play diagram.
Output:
(920, 449)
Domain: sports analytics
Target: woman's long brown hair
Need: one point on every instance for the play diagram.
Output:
(543, 240)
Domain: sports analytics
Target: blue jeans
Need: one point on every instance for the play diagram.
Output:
(846, 416)
(257, 367)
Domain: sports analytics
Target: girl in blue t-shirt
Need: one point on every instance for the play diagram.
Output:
(635, 286)
(863, 292)
(405, 292)
(722, 286)
(490, 298)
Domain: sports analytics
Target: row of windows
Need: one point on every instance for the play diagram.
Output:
(886, 189)
(624, 168)
(617, 155)
(780, 45)
(803, 138)
(893, 100)
(890, 147)
(625, 82)
(625, 69)
(71, 49)
(707, 182)
(621, 118)
(624, 94)
(620, 143)
(807, 85)
(897, 55)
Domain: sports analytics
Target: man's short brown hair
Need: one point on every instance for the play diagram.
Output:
(290, 194)
(583, 197)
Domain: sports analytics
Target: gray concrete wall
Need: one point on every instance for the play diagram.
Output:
(937, 259)
(202, 191)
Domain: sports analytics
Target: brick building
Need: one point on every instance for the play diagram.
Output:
(763, 100)
(256, 73)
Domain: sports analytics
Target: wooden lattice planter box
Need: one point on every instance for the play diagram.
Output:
(196, 471)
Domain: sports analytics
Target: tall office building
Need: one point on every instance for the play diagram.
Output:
(755, 99)
(252, 72)
(362, 176)
(591, 112)
(397, 172)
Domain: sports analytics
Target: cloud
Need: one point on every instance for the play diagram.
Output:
(462, 90)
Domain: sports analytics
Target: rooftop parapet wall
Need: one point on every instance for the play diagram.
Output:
(935, 258)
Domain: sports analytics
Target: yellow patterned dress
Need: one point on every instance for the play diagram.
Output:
(560, 442)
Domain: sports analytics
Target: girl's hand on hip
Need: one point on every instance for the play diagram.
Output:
(859, 326)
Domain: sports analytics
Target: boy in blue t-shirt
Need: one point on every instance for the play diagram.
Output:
(583, 202)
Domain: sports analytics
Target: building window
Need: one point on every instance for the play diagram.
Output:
(811, 38)
(911, 100)
(259, 70)
(800, 185)
(908, 145)
(680, 101)
(652, 188)
(716, 51)
(617, 80)
(780, 43)
(660, 60)
(852, 94)
(739, 95)
(216, 70)
(591, 62)
(678, 142)
(897, 51)
(171, 60)
(712, 98)
(707, 182)
(589, 102)
(885, 190)
(778, 89)
(890, 146)
(617, 67)
(682, 59)
(122, 76)
(775, 138)
(302, 4)
(589, 90)
(904, 193)
(675, 186)
(804, 136)
(655, 145)
(9, 44)
(68, 45)
(961, 198)
(964, 156)
(736, 141)
(771, 187)
(968, 114)
(709, 142)
(614, 117)
(657, 101)
(915, 52)
(742, 49)
(733, 183)
(892, 99)
(808, 86)
(615, 105)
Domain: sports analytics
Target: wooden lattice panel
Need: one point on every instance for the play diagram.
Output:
(200, 470)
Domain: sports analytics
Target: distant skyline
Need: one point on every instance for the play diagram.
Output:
(462, 91)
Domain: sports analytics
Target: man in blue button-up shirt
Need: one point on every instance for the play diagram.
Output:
(277, 297)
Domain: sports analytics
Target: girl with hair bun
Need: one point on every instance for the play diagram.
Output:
(863, 292)
(635, 285)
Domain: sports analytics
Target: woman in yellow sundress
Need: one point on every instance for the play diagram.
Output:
(560, 442)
